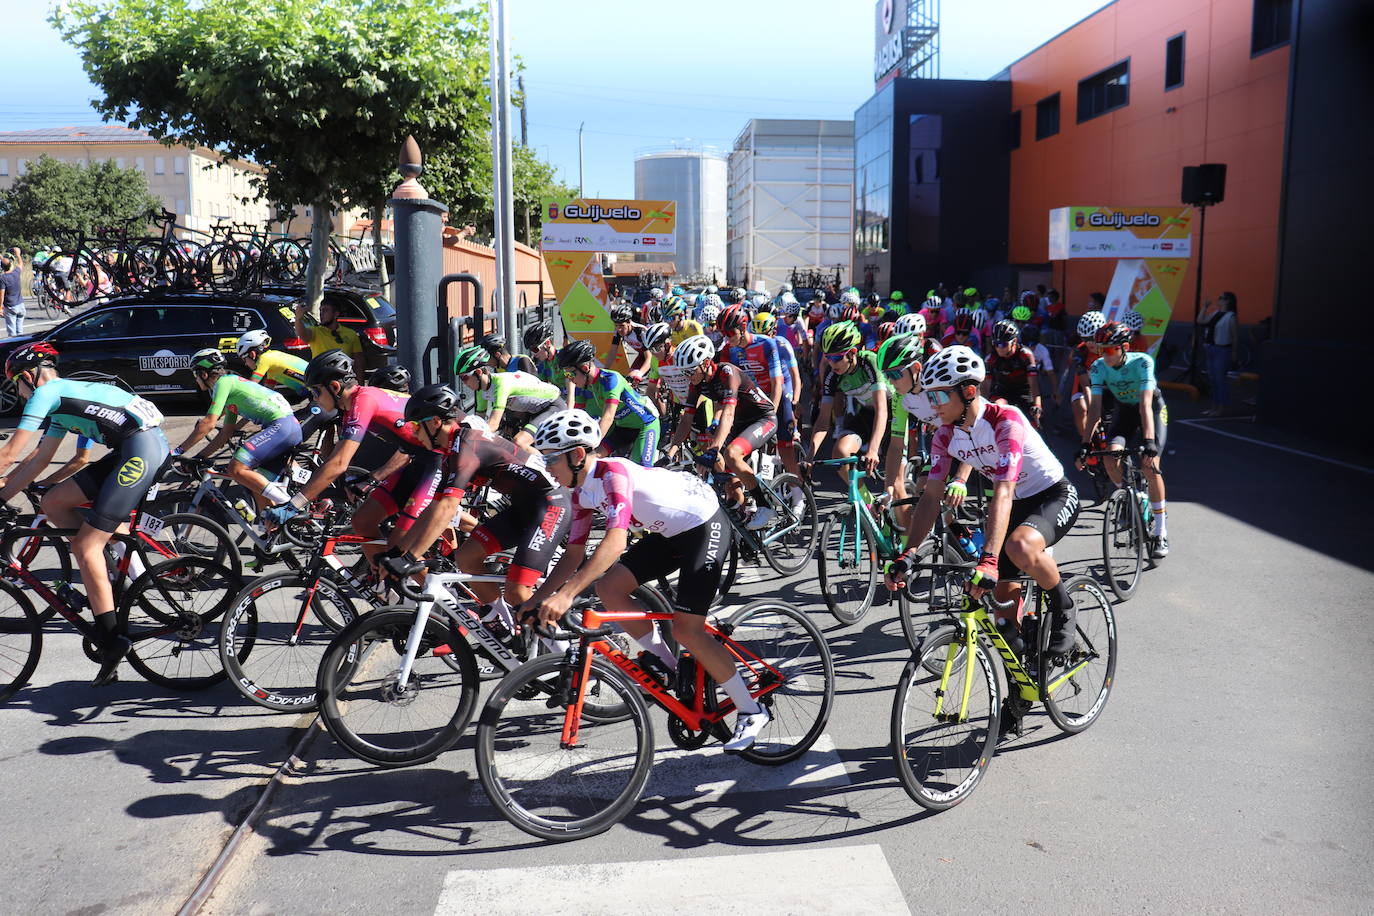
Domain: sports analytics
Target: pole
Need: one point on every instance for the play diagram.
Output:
(418, 243)
(581, 181)
(509, 325)
(1194, 375)
(524, 108)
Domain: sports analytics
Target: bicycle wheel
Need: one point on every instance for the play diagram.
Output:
(848, 583)
(929, 594)
(370, 714)
(286, 261)
(185, 534)
(275, 633)
(540, 784)
(173, 614)
(775, 643)
(45, 557)
(941, 746)
(730, 571)
(21, 640)
(222, 264)
(1075, 692)
(1123, 543)
(791, 552)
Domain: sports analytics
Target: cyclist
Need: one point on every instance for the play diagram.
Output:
(513, 403)
(538, 340)
(688, 533)
(1136, 322)
(124, 422)
(709, 313)
(1033, 504)
(1085, 353)
(961, 332)
(328, 334)
(495, 344)
(671, 388)
(629, 338)
(1130, 377)
(268, 448)
(1012, 374)
(391, 377)
(271, 368)
(854, 379)
(627, 418)
(762, 357)
(534, 521)
(745, 421)
(680, 326)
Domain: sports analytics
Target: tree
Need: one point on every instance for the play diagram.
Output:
(53, 199)
(320, 92)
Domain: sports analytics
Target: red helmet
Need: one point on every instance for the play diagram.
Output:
(850, 313)
(30, 357)
(1114, 334)
(963, 321)
(885, 330)
(732, 318)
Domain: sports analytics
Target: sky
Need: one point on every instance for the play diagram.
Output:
(687, 73)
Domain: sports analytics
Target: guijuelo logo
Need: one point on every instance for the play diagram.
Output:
(131, 471)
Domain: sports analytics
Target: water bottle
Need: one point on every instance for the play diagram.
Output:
(242, 507)
(1145, 512)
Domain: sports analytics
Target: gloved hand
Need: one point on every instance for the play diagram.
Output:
(709, 457)
(396, 564)
(985, 573)
(360, 485)
(899, 567)
(1151, 448)
(280, 515)
(956, 491)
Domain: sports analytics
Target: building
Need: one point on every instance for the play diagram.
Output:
(791, 200)
(697, 180)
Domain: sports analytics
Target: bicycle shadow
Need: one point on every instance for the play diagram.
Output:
(76, 702)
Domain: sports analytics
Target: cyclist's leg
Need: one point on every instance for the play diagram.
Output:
(1154, 474)
(645, 449)
(648, 559)
(740, 444)
(268, 449)
(1036, 523)
(550, 517)
(1125, 423)
(787, 436)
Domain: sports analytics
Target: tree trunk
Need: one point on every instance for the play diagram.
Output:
(319, 256)
(383, 276)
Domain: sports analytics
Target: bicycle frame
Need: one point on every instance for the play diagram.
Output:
(863, 514)
(437, 594)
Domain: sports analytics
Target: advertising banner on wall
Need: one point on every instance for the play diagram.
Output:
(1120, 232)
(1150, 287)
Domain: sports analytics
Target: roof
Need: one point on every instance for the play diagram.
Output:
(101, 133)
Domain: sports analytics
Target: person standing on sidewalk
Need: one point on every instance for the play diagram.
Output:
(11, 289)
(1218, 324)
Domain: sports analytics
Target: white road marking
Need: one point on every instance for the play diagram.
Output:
(830, 880)
(1196, 424)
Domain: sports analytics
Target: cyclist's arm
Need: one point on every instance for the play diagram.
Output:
(14, 446)
(796, 382)
(643, 362)
(31, 467)
(1147, 414)
(393, 464)
(74, 464)
(880, 410)
(726, 423)
(338, 461)
(230, 427)
(607, 554)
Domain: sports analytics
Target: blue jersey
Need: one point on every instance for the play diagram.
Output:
(759, 359)
(1136, 374)
(788, 358)
(101, 413)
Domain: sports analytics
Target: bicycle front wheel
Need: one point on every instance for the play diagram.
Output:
(930, 595)
(789, 553)
(173, 614)
(1075, 692)
(21, 640)
(848, 564)
(1123, 543)
(538, 782)
(941, 743)
(186, 534)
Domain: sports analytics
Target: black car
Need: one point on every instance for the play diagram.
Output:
(363, 310)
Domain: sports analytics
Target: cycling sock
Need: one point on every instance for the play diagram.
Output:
(735, 690)
(1058, 597)
(1161, 526)
(105, 627)
(654, 643)
(276, 493)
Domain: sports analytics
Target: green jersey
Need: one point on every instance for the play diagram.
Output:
(1135, 374)
(247, 400)
(517, 393)
(860, 387)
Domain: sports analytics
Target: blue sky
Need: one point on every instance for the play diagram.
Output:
(639, 76)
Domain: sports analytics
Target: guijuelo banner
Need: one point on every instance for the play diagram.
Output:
(1120, 232)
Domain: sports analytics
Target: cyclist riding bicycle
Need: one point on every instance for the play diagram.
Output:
(1085, 353)
(1012, 373)
(673, 384)
(627, 419)
(681, 327)
(855, 382)
(760, 357)
(271, 368)
(501, 356)
(513, 403)
(686, 532)
(629, 339)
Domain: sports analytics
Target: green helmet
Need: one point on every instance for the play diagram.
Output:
(896, 296)
(900, 352)
(469, 358)
(207, 360)
(1021, 313)
(840, 336)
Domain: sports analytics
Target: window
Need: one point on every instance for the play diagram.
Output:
(1047, 117)
(1273, 25)
(138, 163)
(179, 165)
(1104, 92)
(1173, 63)
(160, 165)
(181, 206)
(22, 166)
(110, 323)
(1014, 129)
(4, 166)
(119, 162)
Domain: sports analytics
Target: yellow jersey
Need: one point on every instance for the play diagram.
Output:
(280, 370)
(690, 328)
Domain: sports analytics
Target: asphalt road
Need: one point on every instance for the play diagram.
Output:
(1210, 782)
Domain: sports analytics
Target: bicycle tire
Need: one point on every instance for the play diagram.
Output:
(1123, 544)
(779, 639)
(790, 554)
(187, 534)
(45, 557)
(565, 794)
(271, 656)
(925, 772)
(1095, 675)
(847, 589)
(21, 640)
(188, 595)
(359, 665)
(929, 595)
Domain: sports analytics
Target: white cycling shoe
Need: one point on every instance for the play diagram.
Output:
(762, 518)
(747, 728)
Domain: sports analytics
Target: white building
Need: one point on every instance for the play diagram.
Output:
(697, 180)
(791, 200)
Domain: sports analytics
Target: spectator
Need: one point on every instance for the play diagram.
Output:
(11, 293)
(1219, 336)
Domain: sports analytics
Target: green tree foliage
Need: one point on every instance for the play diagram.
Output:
(54, 198)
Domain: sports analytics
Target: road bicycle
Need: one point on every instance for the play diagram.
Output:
(1126, 520)
(557, 767)
(948, 711)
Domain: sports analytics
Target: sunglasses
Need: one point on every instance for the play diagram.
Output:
(894, 374)
(939, 398)
(836, 357)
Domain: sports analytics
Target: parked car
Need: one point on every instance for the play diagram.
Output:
(363, 310)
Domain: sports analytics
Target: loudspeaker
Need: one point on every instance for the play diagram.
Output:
(1204, 184)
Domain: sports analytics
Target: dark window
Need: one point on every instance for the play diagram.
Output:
(1105, 91)
(107, 323)
(1047, 117)
(1273, 25)
(1173, 63)
(1014, 141)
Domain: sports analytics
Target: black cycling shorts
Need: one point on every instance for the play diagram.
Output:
(1052, 512)
(856, 424)
(535, 523)
(753, 436)
(529, 422)
(698, 556)
(410, 490)
(118, 482)
(1126, 423)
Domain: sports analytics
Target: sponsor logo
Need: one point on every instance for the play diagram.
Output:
(164, 362)
(1121, 220)
(553, 211)
(596, 213)
(1166, 246)
(104, 413)
(650, 240)
(581, 319)
(131, 472)
(1078, 219)
(889, 55)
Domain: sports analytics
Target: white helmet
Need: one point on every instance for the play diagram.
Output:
(952, 366)
(711, 290)
(566, 429)
(1133, 320)
(1089, 324)
(253, 340)
(785, 288)
(655, 293)
(654, 335)
(710, 311)
(913, 323)
(473, 421)
(934, 302)
(694, 351)
(835, 311)
(850, 297)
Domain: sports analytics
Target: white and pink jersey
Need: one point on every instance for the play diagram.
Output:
(656, 500)
(1002, 445)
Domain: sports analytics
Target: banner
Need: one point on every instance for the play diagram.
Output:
(1120, 232)
(1150, 287)
(620, 226)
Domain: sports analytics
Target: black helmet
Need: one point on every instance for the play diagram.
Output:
(535, 335)
(493, 343)
(432, 401)
(207, 359)
(393, 377)
(330, 366)
(1006, 331)
(576, 353)
(622, 313)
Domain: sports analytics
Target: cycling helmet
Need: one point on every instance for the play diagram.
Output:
(34, 356)
(1089, 324)
(971, 292)
(899, 352)
(253, 340)
(712, 290)
(576, 353)
(835, 312)
(1133, 320)
(764, 323)
(622, 313)
(850, 312)
(963, 321)
(493, 343)
(675, 307)
(677, 291)
(470, 358)
(785, 288)
(1021, 313)
(330, 366)
(885, 330)
(207, 359)
(655, 293)
(737, 295)
(1030, 335)
(432, 401)
(567, 429)
(655, 334)
(715, 300)
(1027, 298)
(694, 351)
(535, 335)
(392, 377)
(473, 421)
(1005, 332)
(896, 296)
(953, 366)
(839, 337)
(913, 323)
(934, 302)
(1114, 334)
(710, 312)
(850, 297)
(764, 306)
(792, 307)
(732, 319)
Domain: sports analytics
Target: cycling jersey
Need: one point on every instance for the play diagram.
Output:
(654, 500)
(102, 413)
(548, 370)
(689, 328)
(974, 341)
(794, 332)
(1002, 445)
(1126, 382)
(610, 387)
(1010, 375)
(475, 458)
(246, 400)
(730, 385)
(859, 386)
(516, 392)
(323, 339)
(758, 357)
(376, 411)
(634, 338)
(788, 358)
(280, 370)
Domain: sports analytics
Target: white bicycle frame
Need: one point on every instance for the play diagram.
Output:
(436, 591)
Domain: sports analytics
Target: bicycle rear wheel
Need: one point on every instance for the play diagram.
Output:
(544, 787)
(790, 553)
(849, 578)
(1076, 691)
(21, 640)
(173, 614)
(1123, 543)
(941, 756)
(45, 557)
(367, 711)
(777, 646)
(186, 534)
